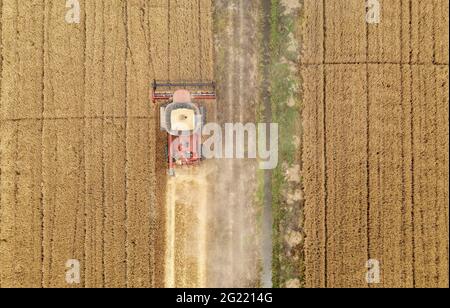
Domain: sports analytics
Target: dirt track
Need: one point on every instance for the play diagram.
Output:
(376, 143)
(79, 178)
(234, 243)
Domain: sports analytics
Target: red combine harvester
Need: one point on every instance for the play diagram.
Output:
(183, 118)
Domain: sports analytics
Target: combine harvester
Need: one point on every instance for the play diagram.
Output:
(182, 116)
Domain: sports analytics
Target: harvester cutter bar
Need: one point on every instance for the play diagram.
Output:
(199, 95)
(167, 84)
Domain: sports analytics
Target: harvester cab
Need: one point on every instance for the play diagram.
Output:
(182, 117)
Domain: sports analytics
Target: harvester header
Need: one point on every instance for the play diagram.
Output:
(200, 90)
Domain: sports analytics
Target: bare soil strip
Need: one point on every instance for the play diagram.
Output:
(233, 243)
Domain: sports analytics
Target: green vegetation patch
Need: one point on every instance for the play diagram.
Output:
(287, 200)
